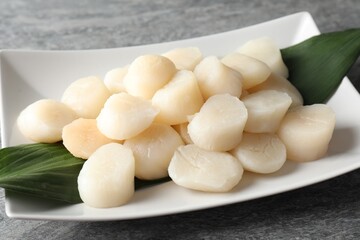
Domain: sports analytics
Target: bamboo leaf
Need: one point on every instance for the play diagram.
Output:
(318, 65)
(41, 170)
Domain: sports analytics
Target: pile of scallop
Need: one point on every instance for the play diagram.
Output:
(202, 120)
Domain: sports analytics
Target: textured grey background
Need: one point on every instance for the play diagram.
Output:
(328, 210)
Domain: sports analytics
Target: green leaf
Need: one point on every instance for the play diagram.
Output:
(318, 65)
(41, 170)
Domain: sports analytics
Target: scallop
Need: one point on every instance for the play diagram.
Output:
(81, 137)
(114, 79)
(86, 96)
(43, 120)
(252, 70)
(216, 78)
(260, 152)
(107, 178)
(266, 50)
(184, 58)
(125, 116)
(265, 109)
(306, 132)
(198, 169)
(219, 124)
(278, 83)
(178, 99)
(147, 74)
(153, 150)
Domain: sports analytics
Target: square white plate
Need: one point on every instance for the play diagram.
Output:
(27, 76)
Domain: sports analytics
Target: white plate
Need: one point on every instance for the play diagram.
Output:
(27, 76)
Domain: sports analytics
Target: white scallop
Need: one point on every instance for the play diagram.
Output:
(124, 116)
(86, 96)
(114, 79)
(184, 58)
(147, 74)
(81, 137)
(153, 150)
(306, 131)
(265, 109)
(279, 83)
(214, 77)
(260, 152)
(266, 50)
(178, 99)
(203, 170)
(107, 178)
(219, 124)
(43, 120)
(252, 70)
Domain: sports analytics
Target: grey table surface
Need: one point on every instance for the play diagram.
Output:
(327, 210)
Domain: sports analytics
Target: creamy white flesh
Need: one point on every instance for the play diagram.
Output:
(153, 150)
(219, 124)
(86, 96)
(266, 50)
(114, 79)
(178, 99)
(147, 74)
(184, 58)
(182, 129)
(260, 152)
(124, 116)
(202, 170)
(306, 132)
(265, 109)
(253, 71)
(81, 137)
(276, 82)
(107, 177)
(216, 78)
(43, 120)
